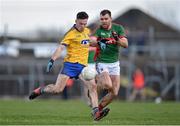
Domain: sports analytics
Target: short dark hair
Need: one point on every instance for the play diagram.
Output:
(104, 12)
(82, 15)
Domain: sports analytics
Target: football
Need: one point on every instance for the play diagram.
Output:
(88, 73)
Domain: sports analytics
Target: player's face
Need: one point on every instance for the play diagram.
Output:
(81, 24)
(105, 21)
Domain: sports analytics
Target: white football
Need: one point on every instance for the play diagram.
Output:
(88, 73)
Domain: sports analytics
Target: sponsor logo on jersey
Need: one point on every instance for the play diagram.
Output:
(85, 42)
(103, 34)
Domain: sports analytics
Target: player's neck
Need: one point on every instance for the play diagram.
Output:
(77, 28)
(109, 27)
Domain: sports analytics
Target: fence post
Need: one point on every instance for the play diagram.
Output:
(177, 85)
(31, 76)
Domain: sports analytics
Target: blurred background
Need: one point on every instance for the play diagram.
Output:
(30, 30)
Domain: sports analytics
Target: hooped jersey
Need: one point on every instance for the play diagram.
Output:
(77, 44)
(111, 53)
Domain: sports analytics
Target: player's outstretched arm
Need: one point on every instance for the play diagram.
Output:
(58, 52)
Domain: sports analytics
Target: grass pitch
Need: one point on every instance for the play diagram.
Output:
(76, 112)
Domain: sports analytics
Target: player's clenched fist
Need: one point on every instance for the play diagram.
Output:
(115, 35)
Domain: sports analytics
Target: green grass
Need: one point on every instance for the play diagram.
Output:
(76, 112)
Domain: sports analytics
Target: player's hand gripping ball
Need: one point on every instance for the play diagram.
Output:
(88, 73)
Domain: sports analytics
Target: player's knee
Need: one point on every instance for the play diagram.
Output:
(108, 86)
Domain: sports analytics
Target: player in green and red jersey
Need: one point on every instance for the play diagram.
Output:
(109, 37)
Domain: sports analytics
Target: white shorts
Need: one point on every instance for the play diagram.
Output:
(92, 66)
(111, 68)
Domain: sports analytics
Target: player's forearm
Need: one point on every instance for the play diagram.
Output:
(57, 53)
(123, 42)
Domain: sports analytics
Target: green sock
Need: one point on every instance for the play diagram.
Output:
(42, 91)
